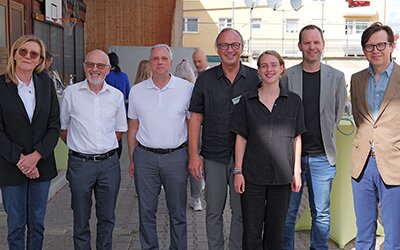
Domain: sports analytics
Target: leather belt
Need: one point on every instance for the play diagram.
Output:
(161, 150)
(93, 157)
(372, 153)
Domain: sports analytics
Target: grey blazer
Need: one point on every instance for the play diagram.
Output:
(332, 101)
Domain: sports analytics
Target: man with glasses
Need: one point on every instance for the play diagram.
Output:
(323, 92)
(214, 97)
(92, 121)
(375, 98)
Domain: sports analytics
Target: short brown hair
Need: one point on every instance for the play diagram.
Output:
(272, 53)
(373, 28)
(311, 27)
(10, 70)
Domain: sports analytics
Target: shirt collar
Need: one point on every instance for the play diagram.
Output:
(170, 84)
(242, 71)
(388, 70)
(85, 85)
(283, 92)
(22, 84)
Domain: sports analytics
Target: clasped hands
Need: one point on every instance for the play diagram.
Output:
(27, 164)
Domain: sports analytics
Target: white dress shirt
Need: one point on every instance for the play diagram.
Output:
(92, 119)
(27, 95)
(162, 113)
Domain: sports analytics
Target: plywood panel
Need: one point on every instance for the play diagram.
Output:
(130, 23)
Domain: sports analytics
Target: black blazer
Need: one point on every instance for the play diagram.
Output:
(18, 135)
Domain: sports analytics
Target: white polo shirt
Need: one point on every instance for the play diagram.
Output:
(92, 119)
(162, 113)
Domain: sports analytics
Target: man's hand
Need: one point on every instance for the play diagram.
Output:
(195, 166)
(131, 169)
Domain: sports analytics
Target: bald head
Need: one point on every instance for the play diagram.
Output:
(97, 53)
(199, 60)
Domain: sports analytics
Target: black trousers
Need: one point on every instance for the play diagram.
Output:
(264, 209)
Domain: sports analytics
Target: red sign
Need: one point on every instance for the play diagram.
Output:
(358, 3)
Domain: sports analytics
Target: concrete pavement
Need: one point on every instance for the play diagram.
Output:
(58, 234)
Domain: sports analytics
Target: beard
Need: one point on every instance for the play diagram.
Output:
(95, 81)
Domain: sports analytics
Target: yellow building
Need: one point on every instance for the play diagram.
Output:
(264, 28)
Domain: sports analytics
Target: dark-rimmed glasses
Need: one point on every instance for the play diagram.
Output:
(100, 66)
(33, 54)
(378, 46)
(225, 46)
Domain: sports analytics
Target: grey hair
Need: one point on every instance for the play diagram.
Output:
(163, 46)
(185, 71)
(226, 30)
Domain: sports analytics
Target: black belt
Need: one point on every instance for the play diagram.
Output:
(161, 150)
(313, 154)
(93, 157)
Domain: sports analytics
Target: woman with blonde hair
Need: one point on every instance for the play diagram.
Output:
(143, 71)
(29, 130)
(185, 71)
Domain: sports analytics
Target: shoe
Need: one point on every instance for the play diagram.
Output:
(196, 205)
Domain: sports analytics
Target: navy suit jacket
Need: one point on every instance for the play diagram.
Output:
(18, 135)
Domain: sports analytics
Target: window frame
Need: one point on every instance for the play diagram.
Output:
(186, 24)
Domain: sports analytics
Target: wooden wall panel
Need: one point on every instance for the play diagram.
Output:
(129, 23)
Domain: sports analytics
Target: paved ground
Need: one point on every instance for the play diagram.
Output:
(58, 233)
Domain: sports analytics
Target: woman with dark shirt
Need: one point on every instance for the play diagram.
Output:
(268, 124)
(29, 130)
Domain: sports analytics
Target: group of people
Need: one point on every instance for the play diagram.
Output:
(265, 133)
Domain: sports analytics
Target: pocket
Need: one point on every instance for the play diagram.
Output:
(175, 110)
(286, 126)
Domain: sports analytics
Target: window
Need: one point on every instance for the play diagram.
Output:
(225, 23)
(292, 25)
(16, 21)
(355, 26)
(256, 25)
(190, 24)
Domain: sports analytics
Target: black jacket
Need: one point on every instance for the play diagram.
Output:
(18, 135)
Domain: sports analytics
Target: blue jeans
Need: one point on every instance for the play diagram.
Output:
(151, 171)
(103, 178)
(318, 174)
(368, 190)
(25, 206)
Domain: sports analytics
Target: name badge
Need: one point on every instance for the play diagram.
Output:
(236, 99)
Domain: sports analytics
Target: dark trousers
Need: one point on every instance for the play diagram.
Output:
(264, 208)
(151, 171)
(103, 178)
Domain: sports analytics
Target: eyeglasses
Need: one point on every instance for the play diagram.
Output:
(33, 54)
(379, 46)
(100, 66)
(225, 46)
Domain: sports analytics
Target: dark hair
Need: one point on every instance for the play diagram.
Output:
(311, 27)
(114, 61)
(373, 28)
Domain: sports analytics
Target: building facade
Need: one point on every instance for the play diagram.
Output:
(264, 27)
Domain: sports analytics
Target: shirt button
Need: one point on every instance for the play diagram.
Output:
(375, 126)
